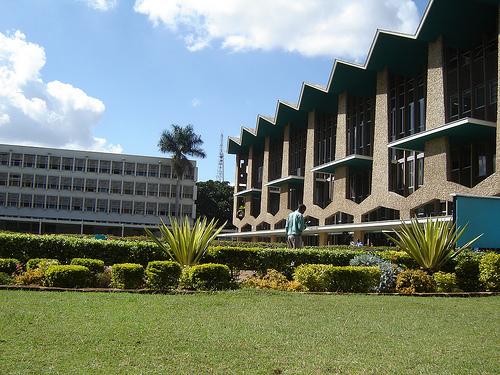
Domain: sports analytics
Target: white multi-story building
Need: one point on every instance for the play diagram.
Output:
(50, 190)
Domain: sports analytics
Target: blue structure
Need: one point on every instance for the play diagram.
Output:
(481, 215)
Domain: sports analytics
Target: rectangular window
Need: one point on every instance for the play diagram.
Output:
(55, 162)
(151, 208)
(64, 203)
(65, 183)
(52, 202)
(90, 204)
(78, 184)
(27, 181)
(103, 186)
(117, 167)
(39, 201)
(359, 125)
(3, 199)
(90, 185)
(102, 205)
(128, 187)
(79, 165)
(152, 190)
(153, 170)
(16, 160)
(163, 209)
(12, 199)
(140, 188)
(141, 169)
(67, 164)
(41, 161)
(126, 207)
(40, 181)
(4, 158)
(4, 179)
(29, 161)
(187, 192)
(14, 179)
(53, 182)
(130, 169)
(139, 208)
(76, 204)
(115, 206)
(104, 166)
(165, 171)
(164, 190)
(26, 200)
(116, 187)
(92, 165)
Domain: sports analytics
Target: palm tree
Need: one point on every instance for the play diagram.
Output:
(181, 142)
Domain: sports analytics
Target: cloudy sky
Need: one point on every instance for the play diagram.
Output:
(112, 74)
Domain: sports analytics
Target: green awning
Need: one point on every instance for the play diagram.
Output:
(291, 180)
(353, 161)
(246, 192)
(467, 129)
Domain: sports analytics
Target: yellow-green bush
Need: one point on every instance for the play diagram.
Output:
(415, 281)
(67, 276)
(489, 272)
(127, 276)
(445, 282)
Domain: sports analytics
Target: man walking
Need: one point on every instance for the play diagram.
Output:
(294, 227)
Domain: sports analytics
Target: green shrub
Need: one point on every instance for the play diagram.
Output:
(163, 275)
(6, 279)
(65, 247)
(208, 276)
(272, 280)
(445, 282)
(400, 258)
(40, 262)
(414, 281)
(127, 276)
(489, 272)
(103, 279)
(9, 265)
(328, 278)
(67, 276)
(95, 266)
(30, 277)
(467, 271)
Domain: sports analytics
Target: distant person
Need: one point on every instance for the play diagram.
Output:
(359, 243)
(294, 227)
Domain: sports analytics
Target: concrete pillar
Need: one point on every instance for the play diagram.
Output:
(358, 235)
(285, 167)
(235, 200)
(265, 177)
(273, 239)
(323, 239)
(309, 162)
(339, 186)
(435, 106)
(340, 145)
(435, 161)
(254, 239)
(250, 167)
(380, 180)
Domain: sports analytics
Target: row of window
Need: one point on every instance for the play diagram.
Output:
(90, 204)
(94, 185)
(89, 165)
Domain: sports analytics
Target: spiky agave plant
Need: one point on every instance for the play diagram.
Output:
(184, 243)
(432, 243)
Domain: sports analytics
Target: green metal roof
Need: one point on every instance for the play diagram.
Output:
(246, 192)
(352, 161)
(290, 180)
(462, 23)
(467, 129)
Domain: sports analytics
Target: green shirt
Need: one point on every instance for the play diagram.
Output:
(295, 224)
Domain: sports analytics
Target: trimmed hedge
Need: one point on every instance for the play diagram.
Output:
(489, 272)
(208, 276)
(415, 281)
(35, 263)
(445, 282)
(326, 278)
(64, 248)
(467, 271)
(8, 266)
(127, 276)
(163, 274)
(67, 276)
(95, 266)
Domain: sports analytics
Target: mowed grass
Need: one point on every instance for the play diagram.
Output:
(246, 332)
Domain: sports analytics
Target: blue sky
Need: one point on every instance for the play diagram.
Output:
(112, 74)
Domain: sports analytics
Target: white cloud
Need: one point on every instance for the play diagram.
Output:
(101, 5)
(33, 112)
(333, 28)
(195, 102)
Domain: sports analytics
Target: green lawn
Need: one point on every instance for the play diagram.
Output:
(246, 332)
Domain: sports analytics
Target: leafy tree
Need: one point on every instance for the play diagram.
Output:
(181, 142)
(215, 200)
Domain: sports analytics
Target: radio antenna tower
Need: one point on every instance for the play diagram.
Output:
(220, 166)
